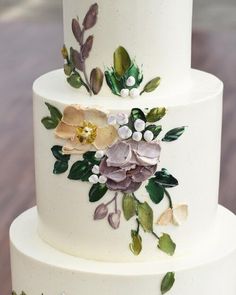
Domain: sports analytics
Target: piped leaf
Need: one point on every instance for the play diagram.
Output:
(58, 153)
(87, 47)
(90, 157)
(136, 245)
(122, 61)
(165, 179)
(129, 206)
(134, 72)
(137, 114)
(75, 81)
(167, 282)
(174, 134)
(145, 217)
(113, 83)
(156, 130)
(166, 244)
(155, 191)
(60, 167)
(54, 119)
(80, 170)
(97, 192)
(156, 114)
(76, 29)
(96, 80)
(152, 85)
(91, 17)
(68, 69)
(76, 59)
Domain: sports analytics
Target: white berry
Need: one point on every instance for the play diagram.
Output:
(134, 92)
(93, 179)
(130, 81)
(112, 120)
(124, 132)
(137, 136)
(124, 93)
(102, 179)
(99, 154)
(148, 136)
(95, 169)
(122, 118)
(139, 125)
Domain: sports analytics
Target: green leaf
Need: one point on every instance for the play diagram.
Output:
(167, 282)
(174, 134)
(136, 245)
(129, 206)
(165, 179)
(90, 157)
(156, 114)
(114, 84)
(58, 154)
(23, 293)
(156, 130)
(97, 191)
(152, 85)
(166, 244)
(80, 170)
(122, 61)
(68, 69)
(60, 167)
(14, 293)
(75, 81)
(137, 114)
(145, 216)
(135, 72)
(155, 191)
(54, 119)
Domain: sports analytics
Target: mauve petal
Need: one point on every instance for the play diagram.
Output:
(119, 154)
(145, 161)
(134, 186)
(104, 169)
(118, 186)
(143, 173)
(149, 149)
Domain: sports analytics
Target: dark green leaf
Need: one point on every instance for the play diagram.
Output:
(167, 282)
(122, 61)
(174, 134)
(97, 191)
(54, 112)
(152, 85)
(136, 245)
(129, 206)
(114, 84)
(53, 121)
(60, 167)
(80, 170)
(58, 154)
(156, 114)
(90, 157)
(135, 72)
(96, 80)
(166, 244)
(49, 123)
(75, 81)
(155, 191)
(145, 216)
(156, 130)
(137, 114)
(165, 179)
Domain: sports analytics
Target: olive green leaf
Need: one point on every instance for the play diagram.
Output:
(14, 293)
(58, 153)
(96, 80)
(75, 81)
(87, 47)
(77, 31)
(129, 206)
(166, 244)
(60, 167)
(174, 134)
(54, 119)
(122, 61)
(68, 69)
(137, 114)
(155, 191)
(151, 85)
(90, 157)
(64, 52)
(135, 72)
(136, 245)
(145, 217)
(156, 114)
(91, 17)
(96, 192)
(165, 179)
(113, 83)
(167, 282)
(156, 130)
(80, 170)
(23, 293)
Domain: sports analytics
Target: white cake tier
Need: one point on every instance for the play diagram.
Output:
(39, 269)
(157, 33)
(65, 213)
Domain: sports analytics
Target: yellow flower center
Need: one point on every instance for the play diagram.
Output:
(87, 133)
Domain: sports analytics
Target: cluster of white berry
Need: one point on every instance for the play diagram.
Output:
(95, 177)
(134, 92)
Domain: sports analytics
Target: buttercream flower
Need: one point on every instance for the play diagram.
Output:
(176, 215)
(85, 129)
(127, 164)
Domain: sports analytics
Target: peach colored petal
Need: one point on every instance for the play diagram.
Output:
(166, 217)
(180, 214)
(75, 147)
(96, 117)
(73, 115)
(105, 137)
(65, 131)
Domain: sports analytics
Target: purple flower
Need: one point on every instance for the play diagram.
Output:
(127, 164)
(100, 212)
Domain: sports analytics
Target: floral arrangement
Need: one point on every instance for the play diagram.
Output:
(124, 78)
(119, 153)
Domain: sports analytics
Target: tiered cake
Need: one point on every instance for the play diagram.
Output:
(127, 152)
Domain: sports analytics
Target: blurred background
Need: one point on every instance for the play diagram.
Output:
(30, 41)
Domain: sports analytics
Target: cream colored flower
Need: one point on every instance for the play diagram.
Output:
(85, 129)
(176, 216)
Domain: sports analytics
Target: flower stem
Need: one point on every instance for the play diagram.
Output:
(169, 198)
(138, 226)
(137, 200)
(155, 235)
(113, 200)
